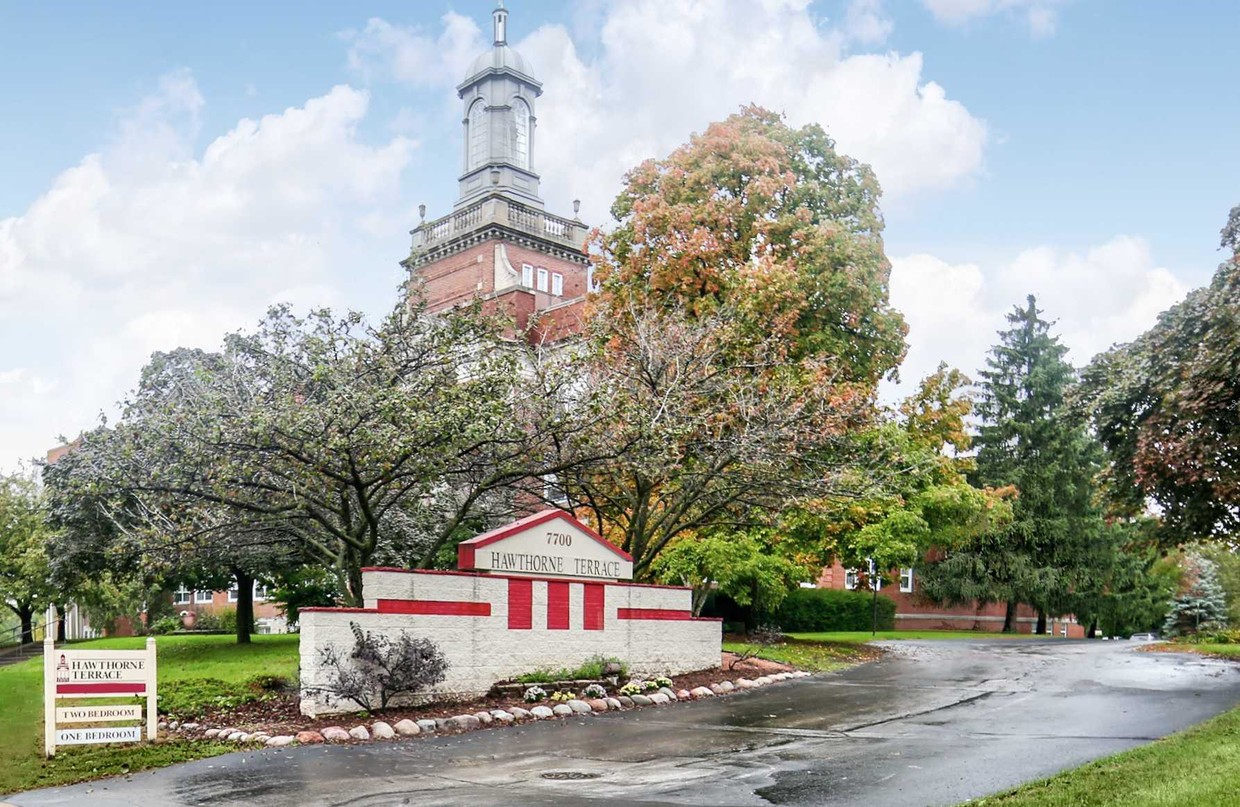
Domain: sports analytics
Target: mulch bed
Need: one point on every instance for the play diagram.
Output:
(281, 714)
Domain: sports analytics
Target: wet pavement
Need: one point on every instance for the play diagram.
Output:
(933, 723)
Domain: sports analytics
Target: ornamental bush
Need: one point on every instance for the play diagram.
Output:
(379, 668)
(662, 681)
(534, 695)
(594, 691)
(815, 610)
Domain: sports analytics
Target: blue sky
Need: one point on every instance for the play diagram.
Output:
(168, 170)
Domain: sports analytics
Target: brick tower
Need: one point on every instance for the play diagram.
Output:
(498, 243)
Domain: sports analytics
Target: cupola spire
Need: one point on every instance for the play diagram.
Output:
(500, 16)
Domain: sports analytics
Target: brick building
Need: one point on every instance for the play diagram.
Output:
(913, 612)
(499, 243)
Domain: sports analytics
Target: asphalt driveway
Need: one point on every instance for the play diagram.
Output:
(933, 723)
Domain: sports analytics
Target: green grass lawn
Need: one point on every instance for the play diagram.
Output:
(182, 662)
(1200, 766)
(862, 636)
(1224, 650)
(814, 656)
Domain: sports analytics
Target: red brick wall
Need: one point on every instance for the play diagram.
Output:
(456, 278)
(913, 612)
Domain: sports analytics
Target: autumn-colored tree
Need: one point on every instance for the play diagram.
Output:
(1167, 409)
(741, 326)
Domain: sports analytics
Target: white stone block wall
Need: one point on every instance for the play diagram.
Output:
(482, 650)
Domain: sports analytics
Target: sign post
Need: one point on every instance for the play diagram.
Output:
(97, 674)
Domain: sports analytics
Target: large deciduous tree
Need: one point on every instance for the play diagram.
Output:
(1167, 409)
(25, 581)
(351, 444)
(741, 326)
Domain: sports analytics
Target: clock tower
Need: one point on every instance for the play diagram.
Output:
(499, 243)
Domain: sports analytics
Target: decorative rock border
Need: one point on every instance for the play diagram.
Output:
(381, 730)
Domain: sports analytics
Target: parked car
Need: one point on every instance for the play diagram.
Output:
(1144, 637)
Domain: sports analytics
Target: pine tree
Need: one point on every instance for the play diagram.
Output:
(1202, 603)
(1028, 440)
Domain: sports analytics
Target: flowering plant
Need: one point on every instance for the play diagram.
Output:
(563, 695)
(663, 681)
(534, 695)
(633, 687)
(650, 686)
(594, 691)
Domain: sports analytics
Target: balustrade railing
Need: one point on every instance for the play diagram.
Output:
(517, 216)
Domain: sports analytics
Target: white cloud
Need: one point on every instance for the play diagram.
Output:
(1040, 15)
(148, 245)
(661, 71)
(1106, 294)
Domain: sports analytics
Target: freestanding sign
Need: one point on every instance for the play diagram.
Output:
(96, 674)
(547, 544)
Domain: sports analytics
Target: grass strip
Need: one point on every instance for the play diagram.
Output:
(1200, 766)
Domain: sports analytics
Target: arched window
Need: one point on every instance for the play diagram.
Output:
(520, 133)
(478, 139)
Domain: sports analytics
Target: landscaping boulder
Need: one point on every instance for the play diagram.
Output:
(519, 713)
(279, 741)
(309, 737)
(641, 700)
(484, 718)
(683, 695)
(464, 722)
(562, 709)
(625, 701)
(502, 716)
(659, 699)
(612, 703)
(427, 725)
(580, 707)
(407, 728)
(727, 686)
(382, 731)
(745, 683)
(717, 689)
(701, 692)
(335, 734)
(598, 704)
(669, 692)
(235, 736)
(211, 734)
(359, 733)
(542, 712)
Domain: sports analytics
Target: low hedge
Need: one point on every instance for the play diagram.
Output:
(816, 610)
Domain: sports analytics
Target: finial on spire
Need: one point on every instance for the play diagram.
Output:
(501, 23)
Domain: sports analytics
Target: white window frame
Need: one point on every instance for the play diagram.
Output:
(542, 279)
(557, 284)
(233, 591)
(261, 591)
(850, 579)
(181, 596)
(198, 597)
(906, 580)
(527, 275)
(876, 580)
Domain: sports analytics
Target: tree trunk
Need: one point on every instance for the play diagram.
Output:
(25, 612)
(1009, 618)
(62, 631)
(354, 579)
(1041, 622)
(699, 599)
(245, 606)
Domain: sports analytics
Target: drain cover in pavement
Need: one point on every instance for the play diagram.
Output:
(570, 776)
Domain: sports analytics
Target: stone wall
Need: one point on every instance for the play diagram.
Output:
(493, 627)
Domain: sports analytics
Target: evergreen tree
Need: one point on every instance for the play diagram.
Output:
(1202, 603)
(1028, 440)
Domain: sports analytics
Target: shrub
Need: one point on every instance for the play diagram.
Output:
(534, 695)
(224, 620)
(663, 681)
(380, 668)
(593, 668)
(814, 610)
(165, 624)
(594, 691)
(650, 686)
(633, 688)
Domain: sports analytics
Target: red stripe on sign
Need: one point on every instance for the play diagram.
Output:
(101, 689)
(652, 613)
(520, 604)
(557, 606)
(593, 612)
(435, 607)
